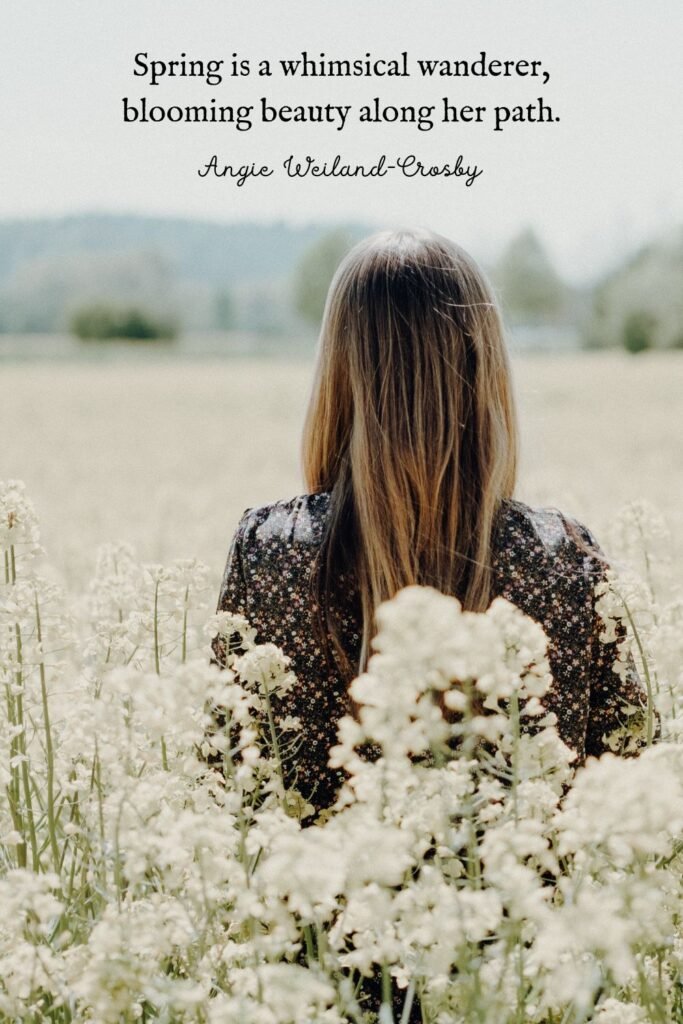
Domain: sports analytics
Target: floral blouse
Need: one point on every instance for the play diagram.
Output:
(538, 564)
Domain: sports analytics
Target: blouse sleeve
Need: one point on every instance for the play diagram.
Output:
(232, 598)
(619, 709)
(233, 591)
(619, 713)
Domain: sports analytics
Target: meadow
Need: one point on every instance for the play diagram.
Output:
(157, 862)
(167, 455)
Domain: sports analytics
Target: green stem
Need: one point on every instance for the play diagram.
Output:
(21, 747)
(157, 667)
(310, 949)
(96, 783)
(386, 995)
(49, 750)
(156, 629)
(14, 785)
(646, 669)
(514, 717)
(273, 734)
(468, 750)
(185, 603)
(408, 1002)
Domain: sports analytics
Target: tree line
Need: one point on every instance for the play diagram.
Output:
(143, 294)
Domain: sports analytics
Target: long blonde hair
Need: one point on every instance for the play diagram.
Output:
(411, 427)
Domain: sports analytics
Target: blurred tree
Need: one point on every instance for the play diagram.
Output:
(100, 322)
(44, 294)
(640, 304)
(315, 271)
(532, 291)
(224, 310)
(639, 329)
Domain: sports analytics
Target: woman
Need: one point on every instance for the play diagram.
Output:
(409, 452)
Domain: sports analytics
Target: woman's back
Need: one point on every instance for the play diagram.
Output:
(410, 457)
(540, 560)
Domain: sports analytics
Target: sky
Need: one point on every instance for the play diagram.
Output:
(595, 184)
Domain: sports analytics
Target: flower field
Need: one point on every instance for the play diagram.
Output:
(154, 866)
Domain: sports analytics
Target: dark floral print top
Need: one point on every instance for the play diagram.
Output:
(542, 562)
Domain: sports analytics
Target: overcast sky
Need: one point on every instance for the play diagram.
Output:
(595, 184)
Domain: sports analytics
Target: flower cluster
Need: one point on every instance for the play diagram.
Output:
(157, 866)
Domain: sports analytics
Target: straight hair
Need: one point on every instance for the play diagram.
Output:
(411, 428)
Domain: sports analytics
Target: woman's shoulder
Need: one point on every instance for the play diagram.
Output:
(300, 520)
(549, 528)
(535, 536)
(287, 522)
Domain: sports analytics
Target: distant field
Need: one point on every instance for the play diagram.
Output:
(168, 455)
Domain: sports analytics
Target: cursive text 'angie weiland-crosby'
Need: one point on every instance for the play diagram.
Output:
(409, 166)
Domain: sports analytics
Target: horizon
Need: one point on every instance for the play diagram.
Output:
(584, 282)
